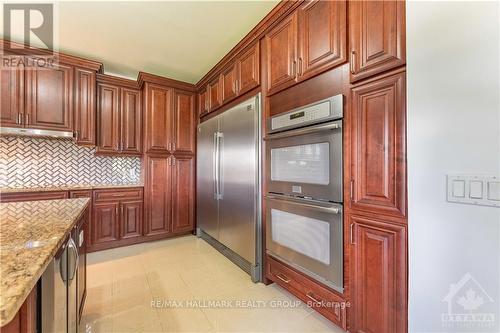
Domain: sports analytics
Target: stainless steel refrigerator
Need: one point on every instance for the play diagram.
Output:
(228, 179)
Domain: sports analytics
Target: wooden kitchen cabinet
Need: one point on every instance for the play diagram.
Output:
(183, 176)
(248, 69)
(131, 219)
(49, 98)
(322, 37)
(12, 98)
(281, 45)
(202, 102)
(105, 223)
(228, 83)
(184, 123)
(157, 196)
(378, 276)
(85, 194)
(33, 196)
(378, 138)
(158, 118)
(85, 102)
(377, 33)
(81, 278)
(119, 117)
(25, 320)
(214, 94)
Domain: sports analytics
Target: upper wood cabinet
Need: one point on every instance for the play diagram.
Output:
(157, 196)
(378, 136)
(183, 177)
(49, 98)
(202, 102)
(281, 50)
(158, 119)
(85, 102)
(377, 33)
(228, 83)
(214, 94)
(12, 98)
(184, 122)
(119, 117)
(248, 69)
(308, 42)
(322, 37)
(378, 276)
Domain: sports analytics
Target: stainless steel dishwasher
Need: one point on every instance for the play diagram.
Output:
(59, 291)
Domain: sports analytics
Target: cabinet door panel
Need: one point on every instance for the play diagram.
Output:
(131, 219)
(108, 118)
(322, 36)
(228, 81)
(378, 276)
(183, 194)
(202, 102)
(214, 94)
(12, 98)
(105, 222)
(131, 121)
(184, 132)
(379, 146)
(85, 83)
(281, 44)
(377, 30)
(248, 70)
(158, 195)
(49, 98)
(158, 119)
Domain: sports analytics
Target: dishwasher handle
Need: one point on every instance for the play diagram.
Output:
(72, 259)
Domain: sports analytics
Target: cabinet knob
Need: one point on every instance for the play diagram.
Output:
(300, 66)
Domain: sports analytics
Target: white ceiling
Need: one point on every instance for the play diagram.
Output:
(182, 40)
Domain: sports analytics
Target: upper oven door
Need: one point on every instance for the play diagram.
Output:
(306, 162)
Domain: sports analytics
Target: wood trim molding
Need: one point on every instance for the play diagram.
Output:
(119, 81)
(164, 81)
(22, 49)
(282, 9)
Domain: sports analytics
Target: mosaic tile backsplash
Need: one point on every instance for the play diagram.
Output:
(34, 162)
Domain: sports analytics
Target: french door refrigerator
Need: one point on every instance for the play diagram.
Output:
(228, 185)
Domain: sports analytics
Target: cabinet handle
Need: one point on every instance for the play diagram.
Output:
(310, 295)
(353, 54)
(351, 233)
(234, 86)
(173, 146)
(19, 118)
(300, 66)
(169, 161)
(26, 118)
(351, 189)
(173, 160)
(283, 278)
(76, 135)
(169, 146)
(116, 210)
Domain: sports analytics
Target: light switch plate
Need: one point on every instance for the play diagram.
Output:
(474, 190)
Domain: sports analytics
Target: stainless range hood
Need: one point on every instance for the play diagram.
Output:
(37, 133)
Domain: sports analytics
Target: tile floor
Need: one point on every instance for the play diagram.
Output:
(194, 289)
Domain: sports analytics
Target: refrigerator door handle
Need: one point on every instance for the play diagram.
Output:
(215, 167)
(220, 191)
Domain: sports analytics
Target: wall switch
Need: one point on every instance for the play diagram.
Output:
(474, 190)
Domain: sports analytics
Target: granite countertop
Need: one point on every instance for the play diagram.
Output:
(64, 188)
(31, 232)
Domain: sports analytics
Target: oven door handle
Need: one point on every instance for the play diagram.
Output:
(330, 210)
(302, 131)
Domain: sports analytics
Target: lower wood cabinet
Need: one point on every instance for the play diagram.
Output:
(25, 321)
(169, 197)
(117, 218)
(81, 278)
(378, 276)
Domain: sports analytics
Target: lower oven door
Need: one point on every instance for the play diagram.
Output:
(306, 162)
(307, 235)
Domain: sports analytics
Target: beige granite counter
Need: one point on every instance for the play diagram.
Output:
(31, 232)
(64, 188)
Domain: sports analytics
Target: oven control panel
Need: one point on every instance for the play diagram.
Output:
(330, 108)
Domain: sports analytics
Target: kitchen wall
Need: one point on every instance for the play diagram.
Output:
(30, 162)
(453, 127)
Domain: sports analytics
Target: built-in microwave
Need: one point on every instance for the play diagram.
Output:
(304, 151)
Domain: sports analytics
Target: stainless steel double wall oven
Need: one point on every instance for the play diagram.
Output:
(304, 190)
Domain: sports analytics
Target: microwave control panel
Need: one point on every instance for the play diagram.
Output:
(330, 108)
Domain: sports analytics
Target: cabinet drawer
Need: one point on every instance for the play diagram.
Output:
(323, 300)
(118, 194)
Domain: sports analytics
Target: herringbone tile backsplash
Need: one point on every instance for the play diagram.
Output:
(33, 162)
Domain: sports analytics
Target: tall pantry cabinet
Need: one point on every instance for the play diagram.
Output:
(169, 160)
